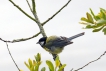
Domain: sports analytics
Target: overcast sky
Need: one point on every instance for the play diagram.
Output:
(15, 25)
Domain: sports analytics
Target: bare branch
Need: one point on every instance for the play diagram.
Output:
(29, 6)
(36, 17)
(19, 40)
(22, 11)
(40, 25)
(91, 62)
(12, 57)
(34, 6)
(38, 21)
(57, 12)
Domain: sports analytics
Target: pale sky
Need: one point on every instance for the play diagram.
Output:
(15, 25)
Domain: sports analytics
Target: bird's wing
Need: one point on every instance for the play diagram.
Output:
(57, 42)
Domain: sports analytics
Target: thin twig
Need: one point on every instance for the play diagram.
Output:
(34, 6)
(19, 40)
(33, 12)
(91, 62)
(29, 6)
(38, 21)
(36, 17)
(22, 11)
(56, 12)
(12, 57)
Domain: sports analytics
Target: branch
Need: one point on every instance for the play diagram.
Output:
(38, 21)
(19, 40)
(36, 17)
(40, 25)
(24, 39)
(29, 6)
(34, 6)
(22, 11)
(91, 62)
(12, 57)
(57, 12)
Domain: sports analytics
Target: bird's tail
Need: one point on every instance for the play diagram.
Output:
(75, 36)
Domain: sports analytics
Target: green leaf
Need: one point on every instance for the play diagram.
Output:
(57, 58)
(103, 15)
(93, 14)
(57, 62)
(89, 17)
(39, 63)
(104, 30)
(50, 65)
(101, 21)
(37, 67)
(93, 26)
(32, 68)
(84, 19)
(97, 17)
(20, 70)
(97, 30)
(61, 68)
(27, 65)
(30, 62)
(43, 69)
(89, 26)
(34, 63)
(103, 9)
(98, 24)
(38, 57)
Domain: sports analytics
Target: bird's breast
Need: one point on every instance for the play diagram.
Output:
(54, 50)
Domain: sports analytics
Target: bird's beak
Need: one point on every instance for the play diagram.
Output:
(37, 43)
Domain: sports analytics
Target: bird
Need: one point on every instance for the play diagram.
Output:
(55, 44)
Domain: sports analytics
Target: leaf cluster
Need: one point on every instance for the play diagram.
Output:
(95, 22)
(33, 65)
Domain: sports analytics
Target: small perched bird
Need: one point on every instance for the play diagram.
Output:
(55, 44)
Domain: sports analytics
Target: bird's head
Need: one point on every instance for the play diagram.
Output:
(42, 41)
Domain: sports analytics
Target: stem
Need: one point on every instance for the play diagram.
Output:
(22, 11)
(19, 40)
(56, 13)
(91, 62)
(40, 25)
(12, 57)
(36, 17)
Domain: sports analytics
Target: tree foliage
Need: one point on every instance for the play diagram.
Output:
(95, 22)
(92, 21)
(33, 65)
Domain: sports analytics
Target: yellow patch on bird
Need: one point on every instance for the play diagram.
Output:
(56, 51)
(51, 38)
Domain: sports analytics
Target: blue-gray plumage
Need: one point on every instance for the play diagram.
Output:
(55, 44)
(75, 36)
